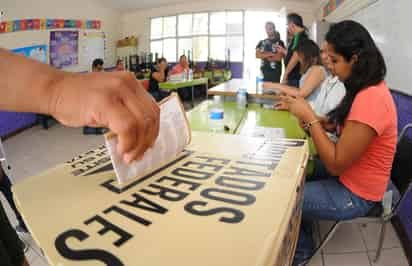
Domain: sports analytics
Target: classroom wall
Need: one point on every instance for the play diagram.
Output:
(138, 22)
(73, 9)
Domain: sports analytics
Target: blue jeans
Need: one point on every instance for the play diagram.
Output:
(325, 198)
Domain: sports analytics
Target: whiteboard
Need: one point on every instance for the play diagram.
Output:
(388, 21)
(92, 46)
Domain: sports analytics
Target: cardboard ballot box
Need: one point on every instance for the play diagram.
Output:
(225, 200)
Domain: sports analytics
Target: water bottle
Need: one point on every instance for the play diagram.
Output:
(216, 115)
(241, 98)
(190, 74)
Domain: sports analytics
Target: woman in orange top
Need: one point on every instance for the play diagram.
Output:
(181, 67)
(358, 166)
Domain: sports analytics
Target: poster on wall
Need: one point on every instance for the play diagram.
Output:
(64, 48)
(37, 52)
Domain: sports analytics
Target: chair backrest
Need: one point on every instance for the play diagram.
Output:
(401, 174)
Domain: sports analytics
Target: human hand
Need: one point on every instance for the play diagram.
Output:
(268, 85)
(299, 107)
(115, 100)
(281, 49)
(281, 106)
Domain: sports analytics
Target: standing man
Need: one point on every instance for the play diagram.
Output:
(267, 51)
(298, 32)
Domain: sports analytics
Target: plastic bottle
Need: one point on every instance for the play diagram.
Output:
(241, 98)
(216, 115)
(190, 74)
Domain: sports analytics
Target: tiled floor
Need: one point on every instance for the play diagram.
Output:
(36, 149)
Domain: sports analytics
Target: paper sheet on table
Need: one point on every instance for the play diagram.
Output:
(174, 136)
(263, 132)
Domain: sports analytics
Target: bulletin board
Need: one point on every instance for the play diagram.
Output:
(36, 52)
(64, 49)
(89, 46)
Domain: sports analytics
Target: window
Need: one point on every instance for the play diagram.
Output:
(200, 24)
(185, 25)
(185, 45)
(218, 23)
(200, 48)
(204, 35)
(217, 48)
(169, 27)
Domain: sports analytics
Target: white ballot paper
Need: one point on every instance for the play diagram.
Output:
(263, 132)
(174, 136)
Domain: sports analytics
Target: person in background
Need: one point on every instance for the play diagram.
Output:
(266, 50)
(296, 29)
(115, 100)
(120, 65)
(181, 67)
(158, 74)
(332, 90)
(97, 66)
(357, 176)
(313, 74)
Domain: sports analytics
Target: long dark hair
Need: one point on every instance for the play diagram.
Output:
(310, 52)
(349, 39)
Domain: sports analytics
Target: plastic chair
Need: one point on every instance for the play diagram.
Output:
(384, 212)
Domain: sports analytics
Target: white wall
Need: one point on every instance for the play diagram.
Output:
(138, 22)
(73, 9)
(344, 11)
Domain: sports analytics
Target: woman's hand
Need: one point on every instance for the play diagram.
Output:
(281, 106)
(268, 85)
(115, 100)
(299, 107)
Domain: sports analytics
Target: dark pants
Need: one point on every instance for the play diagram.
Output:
(11, 248)
(270, 75)
(94, 130)
(293, 83)
(159, 95)
(5, 188)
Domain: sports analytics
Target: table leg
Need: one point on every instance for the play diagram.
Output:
(207, 90)
(193, 96)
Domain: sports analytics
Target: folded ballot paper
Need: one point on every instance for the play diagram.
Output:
(174, 136)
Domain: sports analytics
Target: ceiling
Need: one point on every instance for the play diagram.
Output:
(140, 4)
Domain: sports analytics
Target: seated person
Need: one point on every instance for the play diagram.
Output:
(120, 65)
(181, 67)
(158, 75)
(367, 118)
(97, 66)
(313, 74)
(332, 90)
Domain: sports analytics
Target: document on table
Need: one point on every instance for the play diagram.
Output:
(174, 136)
(263, 132)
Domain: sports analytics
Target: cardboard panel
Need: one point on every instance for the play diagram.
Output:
(225, 200)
